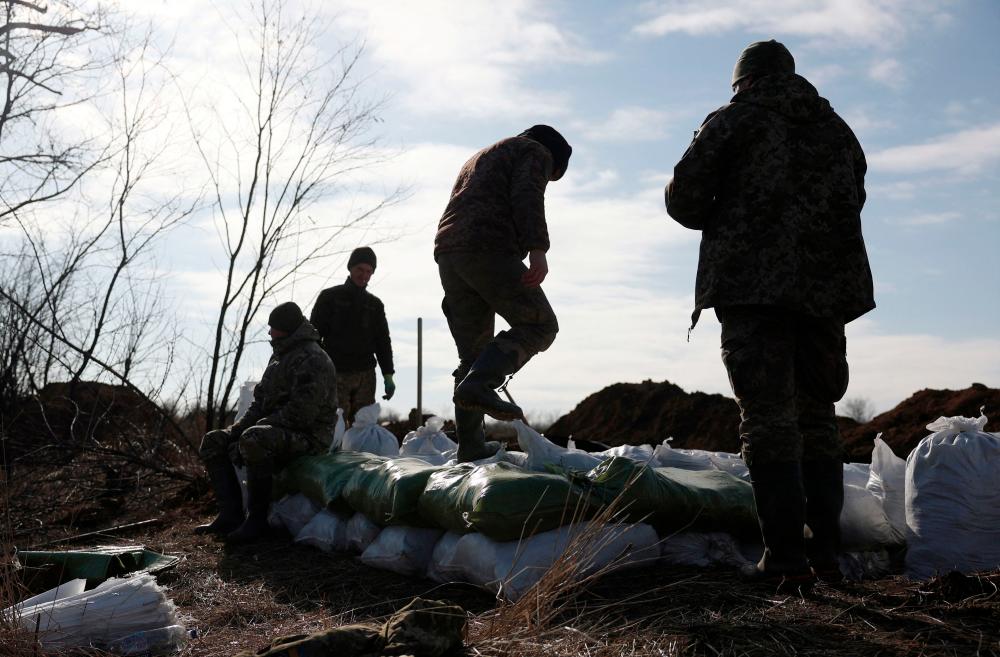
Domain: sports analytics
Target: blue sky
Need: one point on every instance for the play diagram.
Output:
(627, 83)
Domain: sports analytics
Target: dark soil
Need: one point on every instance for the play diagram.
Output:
(649, 412)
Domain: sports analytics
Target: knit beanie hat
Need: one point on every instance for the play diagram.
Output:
(763, 58)
(286, 317)
(361, 254)
(550, 138)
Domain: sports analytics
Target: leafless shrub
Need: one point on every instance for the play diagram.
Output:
(859, 409)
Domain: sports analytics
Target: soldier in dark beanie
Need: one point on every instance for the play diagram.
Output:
(494, 220)
(354, 331)
(775, 182)
(293, 413)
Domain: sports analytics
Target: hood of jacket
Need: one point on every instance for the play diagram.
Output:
(787, 94)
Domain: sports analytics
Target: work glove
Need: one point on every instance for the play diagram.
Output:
(390, 387)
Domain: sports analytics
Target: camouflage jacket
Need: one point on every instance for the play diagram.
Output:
(775, 182)
(298, 390)
(351, 322)
(498, 202)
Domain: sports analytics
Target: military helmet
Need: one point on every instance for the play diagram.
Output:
(763, 58)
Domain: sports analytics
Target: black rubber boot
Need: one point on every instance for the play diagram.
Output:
(258, 500)
(471, 434)
(478, 391)
(228, 497)
(824, 487)
(781, 509)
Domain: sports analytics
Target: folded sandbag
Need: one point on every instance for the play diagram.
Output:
(500, 500)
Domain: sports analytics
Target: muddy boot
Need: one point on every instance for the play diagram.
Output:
(228, 497)
(258, 501)
(824, 486)
(478, 391)
(781, 511)
(471, 434)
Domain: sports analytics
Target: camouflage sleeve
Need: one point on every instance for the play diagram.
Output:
(690, 195)
(383, 345)
(307, 388)
(322, 315)
(527, 199)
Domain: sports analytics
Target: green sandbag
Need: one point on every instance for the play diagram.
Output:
(500, 500)
(672, 499)
(322, 478)
(388, 492)
(98, 563)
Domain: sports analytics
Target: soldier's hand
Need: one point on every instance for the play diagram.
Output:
(390, 387)
(538, 269)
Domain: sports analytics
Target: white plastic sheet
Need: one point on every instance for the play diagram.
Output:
(429, 443)
(365, 435)
(326, 531)
(685, 459)
(887, 482)
(339, 429)
(543, 453)
(953, 500)
(361, 531)
(857, 474)
(403, 550)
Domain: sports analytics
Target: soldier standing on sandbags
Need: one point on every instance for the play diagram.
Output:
(775, 182)
(351, 322)
(494, 219)
(293, 413)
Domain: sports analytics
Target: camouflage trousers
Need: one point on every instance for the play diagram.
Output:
(480, 286)
(259, 446)
(355, 390)
(786, 370)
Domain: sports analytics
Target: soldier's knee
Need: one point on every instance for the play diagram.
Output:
(256, 445)
(214, 445)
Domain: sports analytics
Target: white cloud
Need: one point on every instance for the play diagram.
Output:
(965, 152)
(844, 22)
(927, 219)
(469, 59)
(632, 123)
(889, 72)
(897, 191)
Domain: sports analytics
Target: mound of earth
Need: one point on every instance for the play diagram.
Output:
(649, 412)
(903, 427)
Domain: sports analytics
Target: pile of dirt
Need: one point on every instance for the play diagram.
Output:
(903, 427)
(649, 412)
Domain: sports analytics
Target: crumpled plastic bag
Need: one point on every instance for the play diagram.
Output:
(428, 443)
(338, 432)
(365, 435)
(543, 454)
(887, 482)
(953, 500)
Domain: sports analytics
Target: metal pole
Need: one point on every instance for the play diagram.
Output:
(420, 371)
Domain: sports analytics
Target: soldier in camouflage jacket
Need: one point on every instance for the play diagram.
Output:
(293, 413)
(494, 219)
(775, 182)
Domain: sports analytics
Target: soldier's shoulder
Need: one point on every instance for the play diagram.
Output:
(374, 300)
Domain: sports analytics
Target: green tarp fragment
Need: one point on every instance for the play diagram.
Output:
(322, 478)
(388, 492)
(500, 500)
(672, 499)
(98, 564)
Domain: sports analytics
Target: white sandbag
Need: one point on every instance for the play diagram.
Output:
(702, 549)
(731, 463)
(638, 453)
(361, 531)
(863, 521)
(428, 443)
(443, 567)
(685, 459)
(511, 568)
(293, 512)
(327, 531)
(953, 500)
(887, 482)
(520, 459)
(339, 429)
(857, 474)
(365, 435)
(403, 550)
(543, 453)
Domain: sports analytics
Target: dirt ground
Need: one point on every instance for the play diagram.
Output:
(242, 597)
